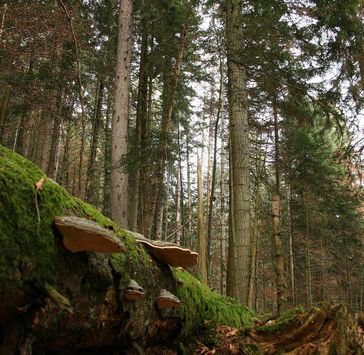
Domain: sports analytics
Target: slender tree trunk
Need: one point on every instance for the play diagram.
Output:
(308, 257)
(277, 232)
(40, 139)
(157, 178)
(166, 207)
(119, 178)
(213, 177)
(222, 188)
(209, 155)
(51, 169)
(94, 142)
(231, 289)
(141, 113)
(239, 136)
(159, 217)
(291, 247)
(4, 101)
(189, 192)
(107, 159)
(178, 204)
(202, 247)
(145, 173)
(65, 168)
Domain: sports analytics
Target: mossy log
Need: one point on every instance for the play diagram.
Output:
(59, 302)
(329, 329)
(324, 330)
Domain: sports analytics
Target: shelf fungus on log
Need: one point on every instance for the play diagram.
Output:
(170, 253)
(167, 300)
(134, 291)
(81, 234)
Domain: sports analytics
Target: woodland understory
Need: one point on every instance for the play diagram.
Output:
(232, 128)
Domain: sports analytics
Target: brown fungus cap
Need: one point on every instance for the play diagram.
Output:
(167, 300)
(170, 253)
(134, 291)
(81, 234)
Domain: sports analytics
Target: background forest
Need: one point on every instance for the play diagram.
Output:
(243, 142)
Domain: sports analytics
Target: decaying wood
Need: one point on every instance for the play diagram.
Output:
(326, 330)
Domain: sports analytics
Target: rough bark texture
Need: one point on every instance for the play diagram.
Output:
(119, 178)
(58, 302)
(239, 135)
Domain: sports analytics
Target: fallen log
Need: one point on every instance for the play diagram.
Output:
(57, 301)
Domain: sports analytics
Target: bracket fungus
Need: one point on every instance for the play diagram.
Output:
(81, 234)
(170, 253)
(134, 291)
(167, 300)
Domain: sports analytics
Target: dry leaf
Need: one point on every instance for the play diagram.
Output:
(38, 186)
(232, 333)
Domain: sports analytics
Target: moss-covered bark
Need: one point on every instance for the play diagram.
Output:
(32, 259)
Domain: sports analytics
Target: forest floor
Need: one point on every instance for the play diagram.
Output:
(329, 330)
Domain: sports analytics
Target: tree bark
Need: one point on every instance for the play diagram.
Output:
(141, 116)
(277, 232)
(202, 247)
(213, 177)
(178, 193)
(240, 148)
(4, 101)
(51, 169)
(231, 270)
(119, 178)
(94, 142)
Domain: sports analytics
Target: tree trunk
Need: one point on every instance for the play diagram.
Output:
(141, 116)
(231, 270)
(277, 233)
(107, 159)
(51, 169)
(189, 192)
(202, 250)
(4, 101)
(210, 148)
(239, 136)
(213, 177)
(119, 178)
(291, 248)
(222, 191)
(178, 194)
(94, 142)
(308, 256)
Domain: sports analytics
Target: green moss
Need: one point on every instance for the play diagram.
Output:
(30, 250)
(286, 318)
(201, 304)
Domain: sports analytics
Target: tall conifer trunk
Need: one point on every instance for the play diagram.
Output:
(239, 136)
(119, 142)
